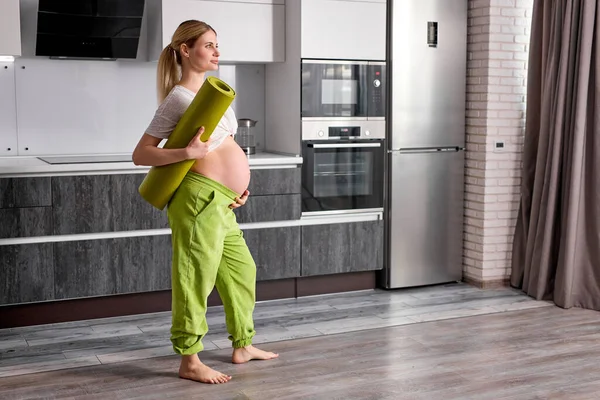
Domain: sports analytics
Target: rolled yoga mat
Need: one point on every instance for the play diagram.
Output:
(207, 109)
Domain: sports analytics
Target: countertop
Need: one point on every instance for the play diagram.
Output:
(27, 166)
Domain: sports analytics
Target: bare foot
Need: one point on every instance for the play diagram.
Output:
(192, 368)
(245, 354)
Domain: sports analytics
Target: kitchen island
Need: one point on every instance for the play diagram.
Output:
(77, 241)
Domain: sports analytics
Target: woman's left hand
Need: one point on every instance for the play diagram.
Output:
(240, 201)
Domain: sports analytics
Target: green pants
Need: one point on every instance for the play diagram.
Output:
(208, 250)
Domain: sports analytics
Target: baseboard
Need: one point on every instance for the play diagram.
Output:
(491, 284)
(51, 312)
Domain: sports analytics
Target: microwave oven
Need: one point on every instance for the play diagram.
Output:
(336, 92)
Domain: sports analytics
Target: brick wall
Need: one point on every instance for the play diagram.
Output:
(498, 37)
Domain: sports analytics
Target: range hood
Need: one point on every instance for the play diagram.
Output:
(89, 29)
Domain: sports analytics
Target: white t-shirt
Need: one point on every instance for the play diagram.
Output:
(171, 110)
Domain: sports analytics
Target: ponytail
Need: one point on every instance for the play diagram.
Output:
(168, 74)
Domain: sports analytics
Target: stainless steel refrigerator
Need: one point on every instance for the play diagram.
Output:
(427, 53)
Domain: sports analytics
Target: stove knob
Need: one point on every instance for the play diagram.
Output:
(321, 133)
(367, 133)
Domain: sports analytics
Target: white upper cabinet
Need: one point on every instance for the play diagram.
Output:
(10, 28)
(247, 30)
(8, 110)
(343, 29)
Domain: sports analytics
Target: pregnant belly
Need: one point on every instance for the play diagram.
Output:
(227, 164)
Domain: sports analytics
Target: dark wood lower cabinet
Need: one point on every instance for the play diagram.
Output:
(86, 268)
(144, 262)
(24, 222)
(280, 207)
(31, 273)
(102, 203)
(25, 192)
(346, 247)
(112, 266)
(26, 273)
(276, 252)
(65, 205)
(275, 181)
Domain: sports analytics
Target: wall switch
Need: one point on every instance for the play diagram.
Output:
(499, 146)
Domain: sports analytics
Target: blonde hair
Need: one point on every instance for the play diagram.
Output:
(169, 62)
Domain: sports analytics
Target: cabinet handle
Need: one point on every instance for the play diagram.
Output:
(343, 145)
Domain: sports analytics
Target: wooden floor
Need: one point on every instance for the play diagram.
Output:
(450, 342)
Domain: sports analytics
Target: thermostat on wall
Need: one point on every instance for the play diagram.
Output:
(432, 34)
(499, 146)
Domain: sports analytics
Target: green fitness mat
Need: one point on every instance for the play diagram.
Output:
(207, 109)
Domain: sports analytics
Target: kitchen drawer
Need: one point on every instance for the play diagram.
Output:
(102, 203)
(275, 181)
(112, 266)
(25, 192)
(25, 222)
(26, 273)
(276, 252)
(270, 208)
(345, 247)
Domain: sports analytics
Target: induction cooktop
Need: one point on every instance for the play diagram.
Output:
(86, 159)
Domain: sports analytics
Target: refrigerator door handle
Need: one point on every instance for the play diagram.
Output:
(428, 150)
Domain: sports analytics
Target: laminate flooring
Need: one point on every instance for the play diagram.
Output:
(442, 342)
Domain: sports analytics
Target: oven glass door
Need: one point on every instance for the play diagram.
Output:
(342, 175)
(334, 89)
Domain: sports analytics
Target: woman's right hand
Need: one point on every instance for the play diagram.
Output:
(197, 149)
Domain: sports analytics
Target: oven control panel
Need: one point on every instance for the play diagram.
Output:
(321, 130)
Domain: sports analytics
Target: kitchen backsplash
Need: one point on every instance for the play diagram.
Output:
(89, 107)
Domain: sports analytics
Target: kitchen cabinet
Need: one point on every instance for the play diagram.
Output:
(102, 203)
(270, 208)
(62, 205)
(25, 222)
(84, 268)
(8, 107)
(343, 29)
(25, 192)
(82, 204)
(25, 207)
(10, 28)
(276, 252)
(108, 203)
(275, 181)
(247, 30)
(112, 266)
(344, 247)
(274, 196)
(26, 273)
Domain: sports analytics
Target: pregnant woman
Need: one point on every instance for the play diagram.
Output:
(208, 246)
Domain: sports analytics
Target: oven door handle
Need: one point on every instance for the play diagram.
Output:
(342, 145)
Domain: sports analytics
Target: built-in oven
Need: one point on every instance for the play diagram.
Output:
(342, 172)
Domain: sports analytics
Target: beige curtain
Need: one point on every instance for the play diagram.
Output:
(556, 249)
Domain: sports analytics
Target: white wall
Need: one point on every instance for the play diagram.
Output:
(92, 107)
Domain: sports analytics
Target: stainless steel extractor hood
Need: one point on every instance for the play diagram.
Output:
(87, 159)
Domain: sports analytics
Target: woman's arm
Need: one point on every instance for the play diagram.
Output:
(148, 153)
